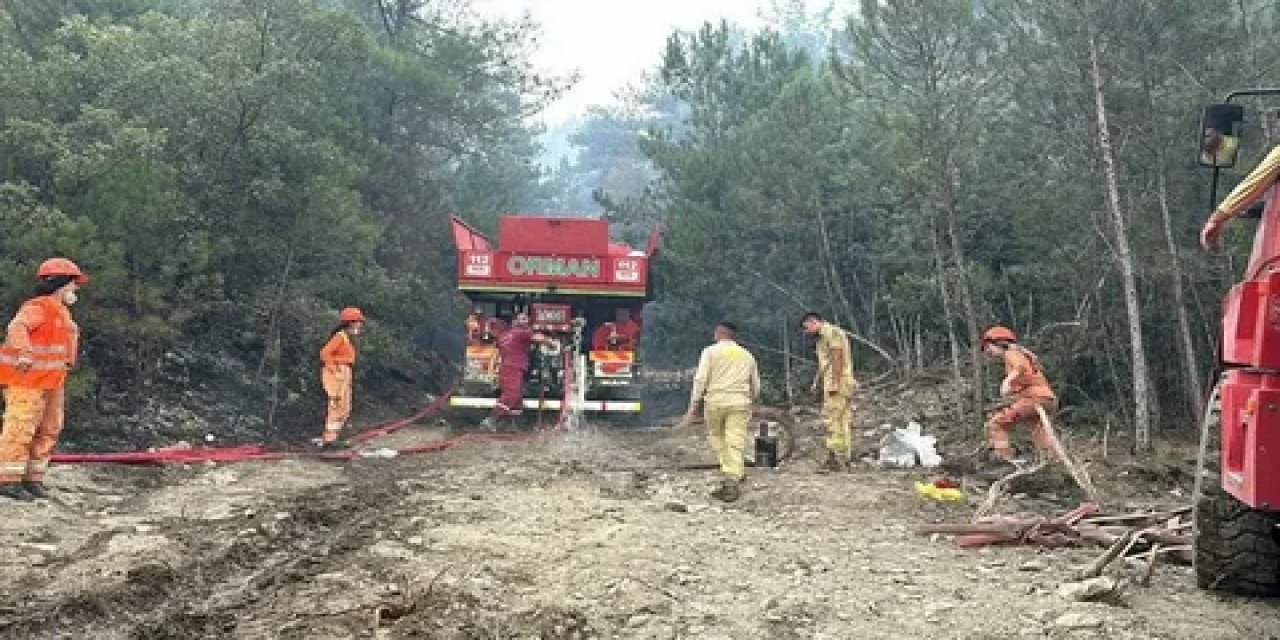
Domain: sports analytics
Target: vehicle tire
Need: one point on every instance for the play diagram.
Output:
(1237, 548)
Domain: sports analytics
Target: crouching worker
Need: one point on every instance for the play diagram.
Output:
(40, 347)
(725, 386)
(1024, 388)
(337, 359)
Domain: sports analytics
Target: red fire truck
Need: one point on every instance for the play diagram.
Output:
(577, 286)
(1238, 481)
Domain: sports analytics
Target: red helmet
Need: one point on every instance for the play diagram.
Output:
(61, 267)
(999, 334)
(351, 314)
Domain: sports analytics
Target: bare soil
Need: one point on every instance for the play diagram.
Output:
(588, 534)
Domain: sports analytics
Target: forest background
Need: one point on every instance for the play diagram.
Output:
(231, 172)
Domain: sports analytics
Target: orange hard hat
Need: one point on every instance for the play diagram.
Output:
(351, 314)
(61, 267)
(998, 333)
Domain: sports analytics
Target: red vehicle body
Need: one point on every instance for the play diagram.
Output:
(578, 286)
(1237, 508)
(1250, 389)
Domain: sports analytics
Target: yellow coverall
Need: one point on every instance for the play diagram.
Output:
(726, 384)
(835, 367)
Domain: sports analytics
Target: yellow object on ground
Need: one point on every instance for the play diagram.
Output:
(927, 490)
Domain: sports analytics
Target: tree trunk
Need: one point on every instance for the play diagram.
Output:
(948, 315)
(1259, 103)
(918, 334)
(1186, 345)
(962, 291)
(1194, 391)
(786, 363)
(831, 275)
(1141, 382)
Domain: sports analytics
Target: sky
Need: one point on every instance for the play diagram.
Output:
(611, 43)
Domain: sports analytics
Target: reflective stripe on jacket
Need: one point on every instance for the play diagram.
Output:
(44, 334)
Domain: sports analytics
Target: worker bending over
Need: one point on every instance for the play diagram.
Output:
(40, 348)
(726, 384)
(835, 377)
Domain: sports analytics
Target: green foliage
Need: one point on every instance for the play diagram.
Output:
(231, 173)
(950, 146)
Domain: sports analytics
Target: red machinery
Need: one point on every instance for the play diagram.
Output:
(1238, 487)
(578, 287)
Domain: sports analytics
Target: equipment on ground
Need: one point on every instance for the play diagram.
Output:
(578, 287)
(1237, 492)
(766, 448)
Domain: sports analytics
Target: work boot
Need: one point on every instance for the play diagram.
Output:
(15, 491)
(1000, 469)
(728, 491)
(35, 489)
(489, 424)
(833, 464)
(320, 443)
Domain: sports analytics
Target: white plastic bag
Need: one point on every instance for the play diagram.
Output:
(909, 447)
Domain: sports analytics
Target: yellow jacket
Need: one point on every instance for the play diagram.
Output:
(727, 376)
(833, 339)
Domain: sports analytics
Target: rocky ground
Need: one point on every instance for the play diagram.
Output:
(588, 534)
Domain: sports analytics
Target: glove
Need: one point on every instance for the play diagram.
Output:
(1209, 234)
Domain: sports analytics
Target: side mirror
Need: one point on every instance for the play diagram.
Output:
(1220, 135)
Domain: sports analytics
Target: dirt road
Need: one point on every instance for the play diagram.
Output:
(580, 535)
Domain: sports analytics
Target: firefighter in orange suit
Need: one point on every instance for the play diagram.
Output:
(1025, 385)
(39, 349)
(337, 357)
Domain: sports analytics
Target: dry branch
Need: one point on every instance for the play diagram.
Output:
(1000, 488)
(1116, 549)
(1077, 471)
(1139, 536)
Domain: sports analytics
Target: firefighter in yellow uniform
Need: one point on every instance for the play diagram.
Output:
(835, 375)
(726, 384)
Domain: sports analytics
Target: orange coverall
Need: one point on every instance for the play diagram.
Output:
(1030, 389)
(337, 355)
(43, 333)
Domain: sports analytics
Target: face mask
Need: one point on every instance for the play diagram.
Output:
(355, 331)
(69, 298)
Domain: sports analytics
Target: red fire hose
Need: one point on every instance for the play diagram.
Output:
(259, 452)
